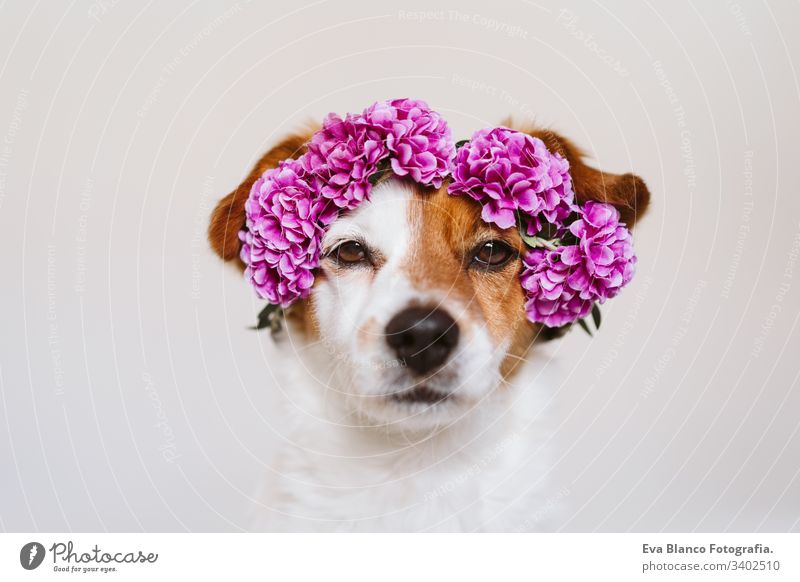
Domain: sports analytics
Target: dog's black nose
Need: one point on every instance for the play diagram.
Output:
(423, 337)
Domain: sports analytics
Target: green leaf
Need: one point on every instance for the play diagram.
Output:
(461, 143)
(536, 242)
(596, 316)
(532, 241)
(585, 327)
(383, 166)
(522, 227)
(270, 317)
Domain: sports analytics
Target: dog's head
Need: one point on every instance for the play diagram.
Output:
(417, 298)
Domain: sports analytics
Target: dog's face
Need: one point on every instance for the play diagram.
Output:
(421, 303)
(417, 300)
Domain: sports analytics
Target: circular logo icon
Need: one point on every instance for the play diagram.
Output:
(31, 555)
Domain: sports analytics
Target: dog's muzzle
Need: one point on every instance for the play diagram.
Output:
(423, 337)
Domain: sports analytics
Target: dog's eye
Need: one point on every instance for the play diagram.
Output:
(492, 254)
(349, 253)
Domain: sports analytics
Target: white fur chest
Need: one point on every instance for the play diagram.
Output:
(486, 472)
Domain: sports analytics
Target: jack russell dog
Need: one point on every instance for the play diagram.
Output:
(413, 400)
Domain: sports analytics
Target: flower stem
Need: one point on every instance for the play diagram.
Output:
(549, 244)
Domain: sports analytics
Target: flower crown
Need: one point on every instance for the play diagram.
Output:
(578, 255)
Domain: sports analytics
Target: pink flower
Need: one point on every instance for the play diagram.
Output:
(342, 156)
(284, 224)
(563, 284)
(508, 171)
(290, 206)
(419, 140)
(511, 174)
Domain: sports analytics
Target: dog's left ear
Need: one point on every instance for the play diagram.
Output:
(627, 192)
(228, 217)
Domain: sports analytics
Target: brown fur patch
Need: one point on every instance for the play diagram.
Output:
(449, 229)
(228, 217)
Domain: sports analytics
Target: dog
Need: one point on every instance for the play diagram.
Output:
(413, 400)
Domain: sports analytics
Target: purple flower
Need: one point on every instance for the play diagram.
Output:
(290, 206)
(342, 156)
(509, 171)
(284, 224)
(551, 300)
(418, 138)
(563, 284)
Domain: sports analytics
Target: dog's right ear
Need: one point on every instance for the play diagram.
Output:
(228, 217)
(627, 192)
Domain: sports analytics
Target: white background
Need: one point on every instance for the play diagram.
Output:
(132, 396)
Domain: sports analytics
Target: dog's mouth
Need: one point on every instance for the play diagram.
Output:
(420, 395)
